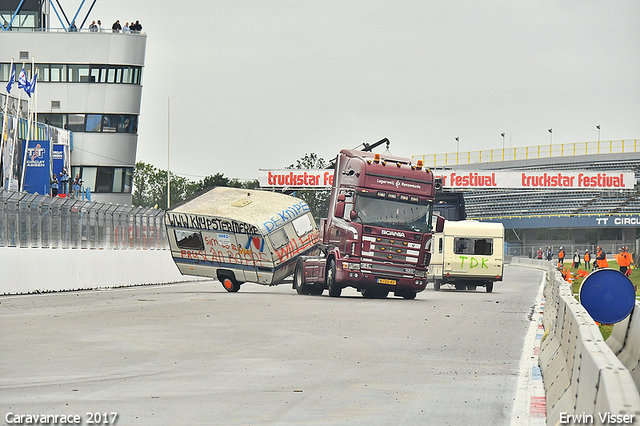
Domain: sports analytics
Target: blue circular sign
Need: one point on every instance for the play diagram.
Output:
(607, 295)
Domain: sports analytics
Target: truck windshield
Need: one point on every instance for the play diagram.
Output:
(394, 214)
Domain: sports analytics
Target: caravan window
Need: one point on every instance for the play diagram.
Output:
(278, 238)
(481, 246)
(302, 225)
(190, 240)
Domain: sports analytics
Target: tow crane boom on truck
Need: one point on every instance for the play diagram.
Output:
(375, 236)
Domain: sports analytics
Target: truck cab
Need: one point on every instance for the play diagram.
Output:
(376, 234)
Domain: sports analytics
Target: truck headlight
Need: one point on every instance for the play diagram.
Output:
(421, 274)
(349, 265)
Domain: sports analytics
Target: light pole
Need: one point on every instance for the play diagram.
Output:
(550, 136)
(502, 134)
(598, 127)
(457, 144)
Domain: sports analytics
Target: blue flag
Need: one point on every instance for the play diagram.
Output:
(32, 84)
(23, 83)
(12, 78)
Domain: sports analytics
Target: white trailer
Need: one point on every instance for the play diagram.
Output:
(467, 254)
(240, 235)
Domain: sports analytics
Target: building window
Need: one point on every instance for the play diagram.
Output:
(105, 179)
(93, 123)
(76, 122)
(77, 73)
(58, 73)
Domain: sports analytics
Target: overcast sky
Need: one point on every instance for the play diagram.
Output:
(257, 84)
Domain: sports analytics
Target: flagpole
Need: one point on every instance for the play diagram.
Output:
(15, 134)
(29, 128)
(168, 141)
(4, 121)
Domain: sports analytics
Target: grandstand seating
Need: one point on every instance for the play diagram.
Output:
(485, 203)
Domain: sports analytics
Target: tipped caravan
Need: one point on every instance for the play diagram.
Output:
(239, 235)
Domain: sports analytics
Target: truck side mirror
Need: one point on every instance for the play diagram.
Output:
(439, 223)
(339, 211)
(353, 215)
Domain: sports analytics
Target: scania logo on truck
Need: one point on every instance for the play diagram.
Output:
(392, 233)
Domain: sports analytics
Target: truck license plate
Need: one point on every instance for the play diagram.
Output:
(386, 281)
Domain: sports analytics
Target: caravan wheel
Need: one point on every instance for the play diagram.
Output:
(229, 283)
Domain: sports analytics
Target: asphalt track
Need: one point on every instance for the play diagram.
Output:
(193, 354)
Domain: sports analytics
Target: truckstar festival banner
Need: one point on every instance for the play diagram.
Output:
(299, 179)
(461, 179)
(536, 179)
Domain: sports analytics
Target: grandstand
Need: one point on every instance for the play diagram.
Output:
(574, 218)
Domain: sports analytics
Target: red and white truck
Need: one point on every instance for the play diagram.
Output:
(377, 231)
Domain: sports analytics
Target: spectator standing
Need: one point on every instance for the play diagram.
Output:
(125, 29)
(561, 256)
(576, 259)
(601, 259)
(100, 29)
(587, 259)
(64, 181)
(93, 27)
(624, 261)
(549, 253)
(54, 186)
(116, 26)
(539, 254)
(137, 26)
(77, 183)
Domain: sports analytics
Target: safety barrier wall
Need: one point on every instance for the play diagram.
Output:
(625, 342)
(582, 376)
(32, 220)
(37, 270)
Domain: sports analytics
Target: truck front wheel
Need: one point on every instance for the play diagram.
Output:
(298, 278)
(489, 287)
(330, 280)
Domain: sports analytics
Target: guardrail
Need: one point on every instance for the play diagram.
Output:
(529, 152)
(41, 221)
(625, 342)
(584, 380)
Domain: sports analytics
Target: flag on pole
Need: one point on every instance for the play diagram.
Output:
(23, 82)
(32, 84)
(12, 78)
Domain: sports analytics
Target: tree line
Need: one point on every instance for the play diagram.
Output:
(150, 186)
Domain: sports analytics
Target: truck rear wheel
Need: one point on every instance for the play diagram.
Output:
(409, 295)
(489, 287)
(330, 280)
(298, 278)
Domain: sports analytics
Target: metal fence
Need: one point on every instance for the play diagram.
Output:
(529, 152)
(32, 220)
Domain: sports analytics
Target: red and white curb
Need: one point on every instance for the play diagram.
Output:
(530, 406)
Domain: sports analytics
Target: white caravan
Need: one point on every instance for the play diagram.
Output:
(468, 254)
(240, 235)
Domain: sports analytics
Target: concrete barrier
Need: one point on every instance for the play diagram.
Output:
(625, 343)
(582, 376)
(31, 270)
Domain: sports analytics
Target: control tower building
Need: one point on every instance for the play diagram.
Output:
(89, 82)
